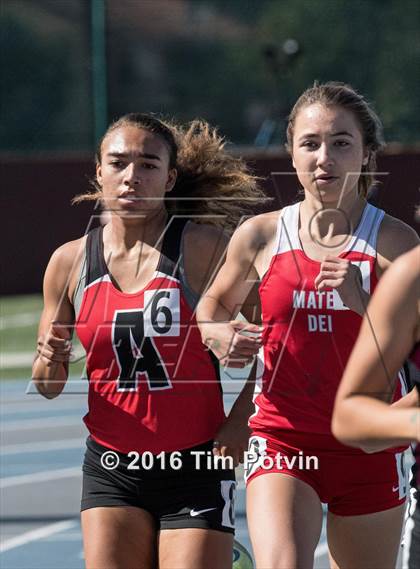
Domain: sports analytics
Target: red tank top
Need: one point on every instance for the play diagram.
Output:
(308, 335)
(415, 360)
(152, 383)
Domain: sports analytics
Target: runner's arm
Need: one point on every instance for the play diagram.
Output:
(222, 302)
(50, 367)
(363, 416)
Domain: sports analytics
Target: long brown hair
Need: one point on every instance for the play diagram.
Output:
(334, 93)
(212, 185)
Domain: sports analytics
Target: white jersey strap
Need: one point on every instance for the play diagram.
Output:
(287, 236)
(365, 235)
(363, 240)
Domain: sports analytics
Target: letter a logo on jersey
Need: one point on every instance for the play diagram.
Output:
(136, 354)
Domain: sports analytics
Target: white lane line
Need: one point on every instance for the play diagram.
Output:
(43, 476)
(41, 446)
(68, 536)
(321, 550)
(10, 389)
(16, 359)
(40, 423)
(40, 405)
(10, 360)
(19, 320)
(36, 534)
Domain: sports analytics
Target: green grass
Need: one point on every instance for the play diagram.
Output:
(22, 339)
(18, 337)
(11, 305)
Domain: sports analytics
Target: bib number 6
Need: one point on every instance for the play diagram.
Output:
(161, 312)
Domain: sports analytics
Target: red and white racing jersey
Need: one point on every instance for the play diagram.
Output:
(308, 335)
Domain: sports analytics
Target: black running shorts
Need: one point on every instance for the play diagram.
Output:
(183, 489)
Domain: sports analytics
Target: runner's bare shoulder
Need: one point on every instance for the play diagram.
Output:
(65, 264)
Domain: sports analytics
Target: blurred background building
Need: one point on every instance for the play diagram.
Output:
(68, 67)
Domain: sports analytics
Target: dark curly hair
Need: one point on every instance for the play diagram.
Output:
(212, 185)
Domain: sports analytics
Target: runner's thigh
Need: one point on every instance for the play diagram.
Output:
(369, 541)
(116, 537)
(285, 520)
(193, 548)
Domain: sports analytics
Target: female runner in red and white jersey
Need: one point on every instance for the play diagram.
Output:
(149, 497)
(317, 262)
(363, 416)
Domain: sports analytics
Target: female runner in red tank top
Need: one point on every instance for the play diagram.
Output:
(317, 262)
(130, 289)
(363, 416)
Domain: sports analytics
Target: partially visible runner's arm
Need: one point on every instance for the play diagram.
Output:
(235, 289)
(363, 416)
(225, 298)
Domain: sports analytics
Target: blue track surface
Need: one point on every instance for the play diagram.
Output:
(40, 468)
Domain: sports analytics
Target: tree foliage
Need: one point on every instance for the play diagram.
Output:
(225, 62)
